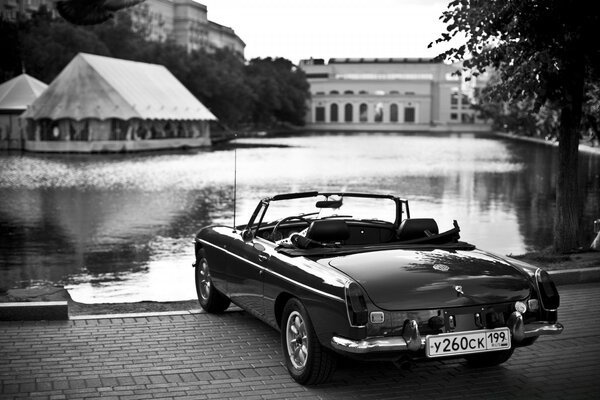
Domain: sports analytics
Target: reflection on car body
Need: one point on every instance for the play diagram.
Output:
(353, 274)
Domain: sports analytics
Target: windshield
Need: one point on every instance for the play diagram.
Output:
(348, 207)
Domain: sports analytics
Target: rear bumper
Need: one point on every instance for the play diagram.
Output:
(411, 340)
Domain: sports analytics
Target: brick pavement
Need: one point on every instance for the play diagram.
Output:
(200, 356)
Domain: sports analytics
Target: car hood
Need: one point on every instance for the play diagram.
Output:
(419, 279)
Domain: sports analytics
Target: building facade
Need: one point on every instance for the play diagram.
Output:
(12, 9)
(185, 21)
(390, 94)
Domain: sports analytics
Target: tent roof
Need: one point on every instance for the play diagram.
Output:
(19, 92)
(92, 86)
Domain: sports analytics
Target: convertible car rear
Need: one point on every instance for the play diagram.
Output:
(353, 274)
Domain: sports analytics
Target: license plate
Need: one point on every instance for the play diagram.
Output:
(450, 344)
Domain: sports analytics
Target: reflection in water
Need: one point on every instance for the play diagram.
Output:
(120, 227)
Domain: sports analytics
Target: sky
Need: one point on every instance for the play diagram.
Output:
(326, 29)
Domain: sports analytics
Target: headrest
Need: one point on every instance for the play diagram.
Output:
(414, 228)
(328, 230)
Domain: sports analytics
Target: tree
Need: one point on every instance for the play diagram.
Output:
(544, 51)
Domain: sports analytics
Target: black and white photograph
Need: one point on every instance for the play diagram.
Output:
(322, 199)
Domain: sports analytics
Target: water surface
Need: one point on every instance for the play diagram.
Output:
(115, 228)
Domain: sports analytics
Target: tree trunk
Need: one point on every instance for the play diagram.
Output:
(566, 221)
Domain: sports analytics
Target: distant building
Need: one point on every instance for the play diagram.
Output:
(185, 21)
(103, 104)
(12, 9)
(387, 94)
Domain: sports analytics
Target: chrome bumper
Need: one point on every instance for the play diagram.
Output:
(411, 340)
(521, 331)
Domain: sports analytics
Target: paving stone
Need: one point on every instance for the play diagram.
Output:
(202, 356)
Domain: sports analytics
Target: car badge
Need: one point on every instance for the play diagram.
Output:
(459, 290)
(441, 267)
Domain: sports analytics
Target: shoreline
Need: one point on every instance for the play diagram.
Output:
(583, 147)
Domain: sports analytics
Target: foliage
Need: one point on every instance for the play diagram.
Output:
(263, 92)
(281, 91)
(543, 51)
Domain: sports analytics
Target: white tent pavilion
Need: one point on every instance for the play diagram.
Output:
(102, 104)
(15, 95)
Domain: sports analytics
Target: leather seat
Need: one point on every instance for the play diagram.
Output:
(417, 228)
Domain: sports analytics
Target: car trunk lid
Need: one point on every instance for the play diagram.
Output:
(418, 279)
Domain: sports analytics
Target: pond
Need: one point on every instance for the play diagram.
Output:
(120, 228)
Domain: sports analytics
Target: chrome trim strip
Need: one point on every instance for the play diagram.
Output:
(331, 296)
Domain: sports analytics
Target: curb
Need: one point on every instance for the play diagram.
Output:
(59, 310)
(34, 311)
(574, 276)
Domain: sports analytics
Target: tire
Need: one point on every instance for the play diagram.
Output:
(307, 361)
(490, 359)
(211, 300)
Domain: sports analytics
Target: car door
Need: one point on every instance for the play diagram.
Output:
(245, 275)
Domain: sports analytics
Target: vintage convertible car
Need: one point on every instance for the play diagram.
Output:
(352, 274)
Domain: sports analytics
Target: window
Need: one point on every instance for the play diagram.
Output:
(363, 92)
(394, 113)
(348, 111)
(409, 114)
(363, 112)
(333, 113)
(454, 98)
(348, 92)
(379, 93)
(320, 114)
(454, 116)
(334, 92)
(394, 92)
(379, 112)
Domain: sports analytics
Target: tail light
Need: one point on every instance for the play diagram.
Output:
(548, 294)
(356, 304)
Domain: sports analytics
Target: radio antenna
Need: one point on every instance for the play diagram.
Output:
(234, 180)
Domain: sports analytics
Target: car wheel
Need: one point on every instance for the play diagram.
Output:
(307, 361)
(489, 359)
(211, 300)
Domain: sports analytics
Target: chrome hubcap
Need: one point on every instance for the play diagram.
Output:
(297, 340)
(204, 281)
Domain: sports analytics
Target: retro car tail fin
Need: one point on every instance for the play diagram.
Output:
(356, 304)
(548, 294)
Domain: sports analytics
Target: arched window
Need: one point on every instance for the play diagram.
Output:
(333, 113)
(334, 92)
(348, 111)
(378, 112)
(363, 92)
(348, 92)
(363, 112)
(394, 113)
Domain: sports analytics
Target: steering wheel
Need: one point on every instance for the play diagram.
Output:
(275, 235)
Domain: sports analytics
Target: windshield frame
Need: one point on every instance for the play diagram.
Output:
(256, 220)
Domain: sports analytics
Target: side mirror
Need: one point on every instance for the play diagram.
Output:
(247, 235)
